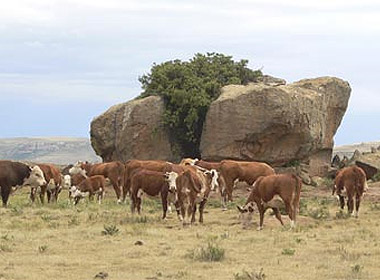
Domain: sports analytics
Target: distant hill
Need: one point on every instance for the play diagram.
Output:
(58, 150)
(348, 150)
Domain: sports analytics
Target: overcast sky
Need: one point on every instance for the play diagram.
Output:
(64, 62)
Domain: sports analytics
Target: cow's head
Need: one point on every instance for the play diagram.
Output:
(36, 177)
(76, 194)
(78, 169)
(214, 179)
(171, 177)
(66, 182)
(246, 213)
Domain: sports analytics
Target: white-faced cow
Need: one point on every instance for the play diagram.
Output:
(53, 186)
(242, 171)
(17, 174)
(94, 185)
(218, 179)
(351, 182)
(267, 191)
(114, 171)
(191, 190)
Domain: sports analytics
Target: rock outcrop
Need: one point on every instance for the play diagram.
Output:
(132, 130)
(276, 124)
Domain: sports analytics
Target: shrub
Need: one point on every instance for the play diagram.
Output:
(110, 230)
(288, 251)
(188, 88)
(211, 253)
(250, 275)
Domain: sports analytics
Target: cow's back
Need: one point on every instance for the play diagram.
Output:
(13, 173)
(51, 172)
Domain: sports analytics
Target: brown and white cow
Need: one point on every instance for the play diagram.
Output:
(218, 180)
(53, 186)
(17, 174)
(267, 191)
(191, 189)
(132, 165)
(351, 182)
(89, 186)
(114, 171)
(152, 183)
(242, 171)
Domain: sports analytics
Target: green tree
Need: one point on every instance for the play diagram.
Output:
(188, 88)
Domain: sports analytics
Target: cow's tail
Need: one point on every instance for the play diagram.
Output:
(297, 194)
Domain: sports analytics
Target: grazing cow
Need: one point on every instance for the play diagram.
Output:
(89, 186)
(53, 186)
(134, 164)
(152, 183)
(245, 171)
(17, 174)
(350, 181)
(114, 171)
(266, 192)
(191, 189)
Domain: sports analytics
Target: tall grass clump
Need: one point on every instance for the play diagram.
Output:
(210, 253)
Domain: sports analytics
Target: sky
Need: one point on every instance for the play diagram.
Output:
(62, 63)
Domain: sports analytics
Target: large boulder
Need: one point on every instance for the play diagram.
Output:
(276, 124)
(132, 130)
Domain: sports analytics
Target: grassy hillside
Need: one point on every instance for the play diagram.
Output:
(58, 150)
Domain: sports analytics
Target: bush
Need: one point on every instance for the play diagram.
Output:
(211, 253)
(250, 275)
(110, 230)
(188, 88)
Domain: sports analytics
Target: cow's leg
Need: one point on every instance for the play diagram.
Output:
(261, 213)
(5, 195)
(164, 199)
(289, 208)
(201, 208)
(341, 201)
(42, 194)
(182, 209)
(138, 205)
(278, 215)
(126, 189)
(357, 205)
(193, 210)
(350, 203)
(117, 190)
(33, 192)
(49, 195)
(178, 210)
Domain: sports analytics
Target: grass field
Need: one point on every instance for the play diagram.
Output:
(62, 241)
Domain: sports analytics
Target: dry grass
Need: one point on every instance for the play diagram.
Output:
(66, 242)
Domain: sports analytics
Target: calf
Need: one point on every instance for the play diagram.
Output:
(89, 186)
(352, 182)
(114, 171)
(266, 192)
(17, 174)
(152, 183)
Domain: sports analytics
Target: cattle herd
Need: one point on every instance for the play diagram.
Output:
(186, 185)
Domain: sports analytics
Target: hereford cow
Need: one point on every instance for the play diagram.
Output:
(132, 165)
(17, 174)
(53, 186)
(350, 181)
(114, 171)
(214, 167)
(242, 171)
(266, 192)
(190, 189)
(89, 186)
(152, 183)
